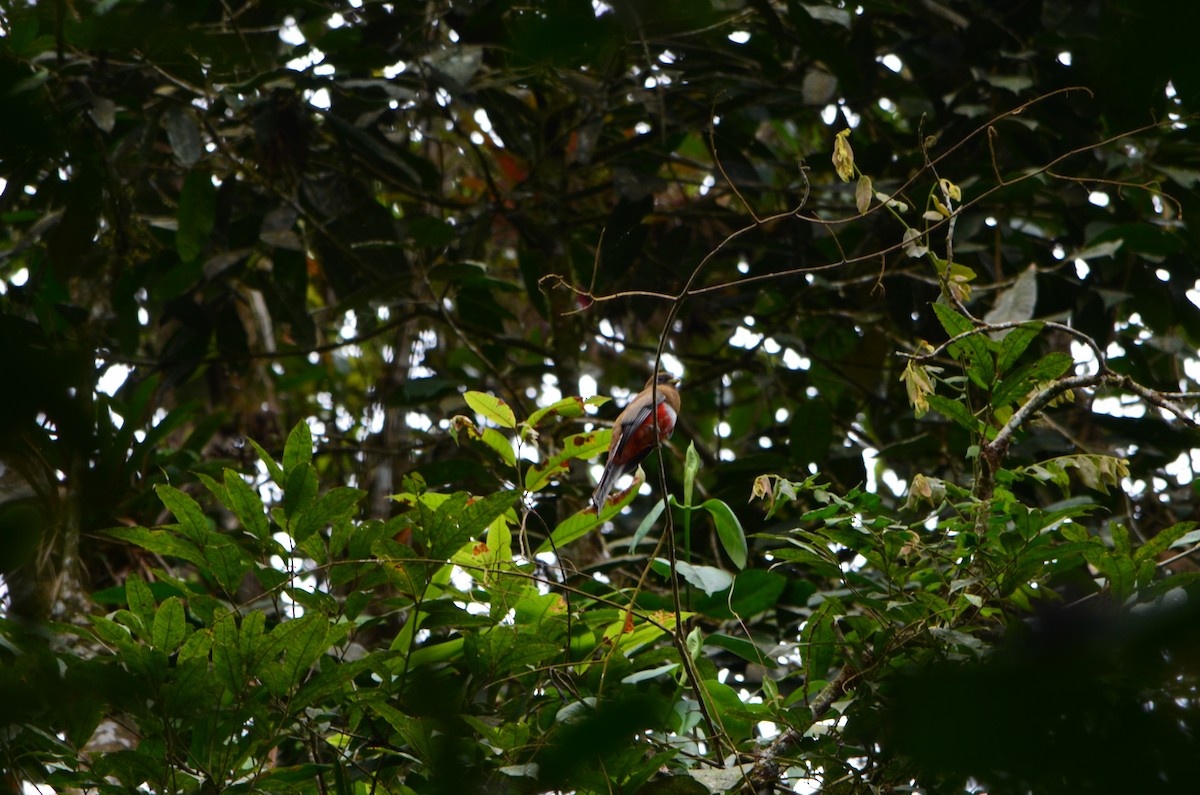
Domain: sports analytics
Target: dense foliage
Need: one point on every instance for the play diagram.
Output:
(310, 315)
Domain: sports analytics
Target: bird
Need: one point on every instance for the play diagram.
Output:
(633, 432)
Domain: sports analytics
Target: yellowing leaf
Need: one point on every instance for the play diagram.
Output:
(918, 385)
(863, 193)
(950, 189)
(492, 407)
(843, 156)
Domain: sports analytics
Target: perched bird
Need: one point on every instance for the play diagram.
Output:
(633, 432)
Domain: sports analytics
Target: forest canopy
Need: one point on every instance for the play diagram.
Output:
(316, 317)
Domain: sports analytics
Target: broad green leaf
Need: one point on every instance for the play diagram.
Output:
(1019, 383)
(500, 444)
(581, 445)
(215, 487)
(198, 646)
(299, 447)
(170, 625)
(300, 491)
(140, 600)
(247, 506)
(727, 709)
(972, 350)
(228, 663)
(305, 645)
(818, 640)
(742, 648)
(491, 407)
(197, 215)
(579, 524)
(113, 634)
(652, 673)
(333, 505)
(575, 526)
(729, 530)
(646, 525)
(290, 775)
(273, 468)
(227, 563)
(708, 579)
(162, 542)
(755, 591)
(568, 407)
(191, 519)
(1119, 571)
(459, 519)
(252, 642)
(1015, 343)
(955, 410)
(1161, 542)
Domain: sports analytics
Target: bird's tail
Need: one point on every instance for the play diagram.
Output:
(604, 487)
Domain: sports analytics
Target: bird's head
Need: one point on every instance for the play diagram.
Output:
(662, 379)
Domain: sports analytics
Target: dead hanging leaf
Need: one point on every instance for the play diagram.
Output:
(843, 156)
(1016, 304)
(958, 278)
(911, 243)
(950, 189)
(862, 194)
(925, 490)
(918, 384)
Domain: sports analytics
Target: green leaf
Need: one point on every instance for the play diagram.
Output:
(972, 351)
(742, 648)
(491, 407)
(162, 542)
(247, 505)
(568, 407)
(1161, 542)
(728, 710)
(1015, 386)
(252, 644)
(729, 530)
(499, 443)
(216, 488)
(459, 519)
(300, 491)
(708, 579)
(113, 634)
(579, 524)
(652, 673)
(140, 600)
(955, 410)
(691, 465)
(227, 563)
(197, 215)
(273, 468)
(299, 447)
(755, 591)
(170, 625)
(818, 640)
(228, 664)
(191, 519)
(334, 505)
(582, 446)
(1015, 343)
(304, 644)
(646, 525)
